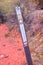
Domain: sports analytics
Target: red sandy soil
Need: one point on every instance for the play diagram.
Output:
(11, 47)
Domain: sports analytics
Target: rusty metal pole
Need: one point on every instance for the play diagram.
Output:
(23, 34)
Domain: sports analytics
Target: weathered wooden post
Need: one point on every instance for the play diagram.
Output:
(23, 34)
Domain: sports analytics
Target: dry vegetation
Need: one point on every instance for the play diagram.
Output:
(8, 5)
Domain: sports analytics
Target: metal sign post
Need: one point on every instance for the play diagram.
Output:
(23, 34)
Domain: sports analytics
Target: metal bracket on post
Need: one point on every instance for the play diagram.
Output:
(23, 34)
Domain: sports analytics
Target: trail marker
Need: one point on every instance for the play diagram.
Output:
(23, 34)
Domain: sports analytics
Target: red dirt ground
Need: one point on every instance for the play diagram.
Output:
(11, 47)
